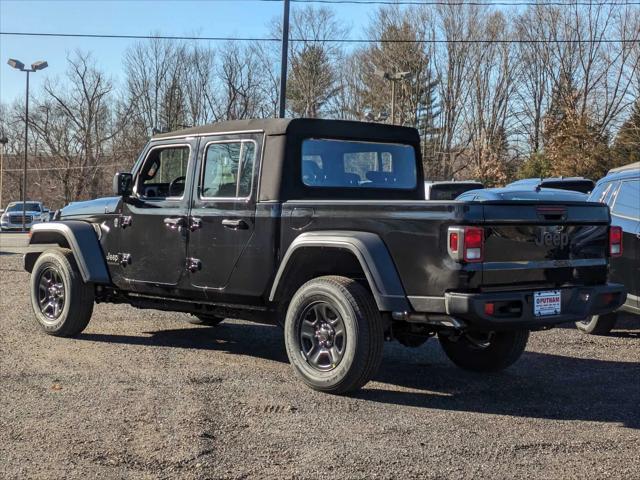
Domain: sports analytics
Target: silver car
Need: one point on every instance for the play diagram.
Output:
(11, 218)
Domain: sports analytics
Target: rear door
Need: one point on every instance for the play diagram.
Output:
(222, 218)
(625, 212)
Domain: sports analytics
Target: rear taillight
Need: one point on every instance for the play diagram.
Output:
(615, 241)
(466, 244)
(473, 243)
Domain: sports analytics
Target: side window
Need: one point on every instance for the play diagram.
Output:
(599, 194)
(228, 169)
(163, 173)
(627, 202)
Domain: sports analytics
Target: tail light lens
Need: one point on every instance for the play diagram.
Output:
(615, 241)
(473, 244)
(466, 244)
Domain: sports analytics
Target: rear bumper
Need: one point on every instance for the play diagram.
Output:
(514, 310)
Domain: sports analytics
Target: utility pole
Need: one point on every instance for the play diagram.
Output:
(284, 59)
(393, 102)
(18, 65)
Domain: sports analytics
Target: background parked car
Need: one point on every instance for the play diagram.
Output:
(576, 184)
(620, 189)
(516, 194)
(11, 219)
(449, 190)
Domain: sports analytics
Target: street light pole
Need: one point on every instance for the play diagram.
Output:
(393, 78)
(24, 166)
(3, 142)
(18, 65)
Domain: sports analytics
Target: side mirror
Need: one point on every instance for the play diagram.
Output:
(122, 184)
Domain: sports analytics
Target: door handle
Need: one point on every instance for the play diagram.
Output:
(195, 224)
(234, 224)
(173, 223)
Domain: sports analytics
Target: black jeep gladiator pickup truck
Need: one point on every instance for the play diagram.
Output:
(322, 226)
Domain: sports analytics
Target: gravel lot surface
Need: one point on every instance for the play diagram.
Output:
(144, 394)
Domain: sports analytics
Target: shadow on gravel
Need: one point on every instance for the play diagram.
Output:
(539, 385)
(262, 341)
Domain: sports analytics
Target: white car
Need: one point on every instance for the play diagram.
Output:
(11, 218)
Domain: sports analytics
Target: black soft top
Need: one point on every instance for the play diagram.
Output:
(302, 126)
(281, 166)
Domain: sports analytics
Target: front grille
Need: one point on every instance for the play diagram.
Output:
(17, 219)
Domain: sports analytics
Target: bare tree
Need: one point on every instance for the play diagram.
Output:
(489, 112)
(241, 84)
(455, 24)
(74, 124)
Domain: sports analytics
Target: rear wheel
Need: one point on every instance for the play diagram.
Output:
(598, 324)
(209, 320)
(485, 352)
(333, 334)
(61, 300)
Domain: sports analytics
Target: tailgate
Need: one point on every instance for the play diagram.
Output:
(540, 245)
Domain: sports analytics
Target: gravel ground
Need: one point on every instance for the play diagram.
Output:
(144, 394)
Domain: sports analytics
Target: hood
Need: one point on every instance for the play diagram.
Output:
(99, 206)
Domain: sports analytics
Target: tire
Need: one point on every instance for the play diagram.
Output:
(500, 351)
(342, 361)
(598, 324)
(209, 320)
(62, 302)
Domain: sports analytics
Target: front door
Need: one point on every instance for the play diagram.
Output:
(223, 210)
(154, 219)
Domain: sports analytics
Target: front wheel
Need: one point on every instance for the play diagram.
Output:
(333, 334)
(598, 324)
(485, 352)
(61, 300)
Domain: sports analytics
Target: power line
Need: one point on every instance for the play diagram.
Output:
(309, 40)
(498, 3)
(461, 3)
(73, 167)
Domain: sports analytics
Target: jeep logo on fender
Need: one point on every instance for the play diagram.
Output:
(545, 238)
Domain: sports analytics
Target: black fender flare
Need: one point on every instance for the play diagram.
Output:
(373, 256)
(76, 235)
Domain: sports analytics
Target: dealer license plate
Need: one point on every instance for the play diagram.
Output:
(547, 303)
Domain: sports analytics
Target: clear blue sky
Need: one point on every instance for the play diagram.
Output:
(132, 17)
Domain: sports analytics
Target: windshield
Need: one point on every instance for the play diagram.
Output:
(30, 207)
(582, 186)
(351, 164)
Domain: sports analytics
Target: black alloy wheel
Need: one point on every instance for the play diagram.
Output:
(322, 336)
(51, 293)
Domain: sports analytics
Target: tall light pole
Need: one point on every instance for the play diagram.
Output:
(284, 59)
(3, 142)
(18, 65)
(393, 78)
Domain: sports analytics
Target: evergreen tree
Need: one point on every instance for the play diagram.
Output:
(626, 147)
(573, 145)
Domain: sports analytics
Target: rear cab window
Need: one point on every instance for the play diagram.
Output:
(328, 163)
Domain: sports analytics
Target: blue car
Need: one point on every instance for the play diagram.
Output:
(576, 184)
